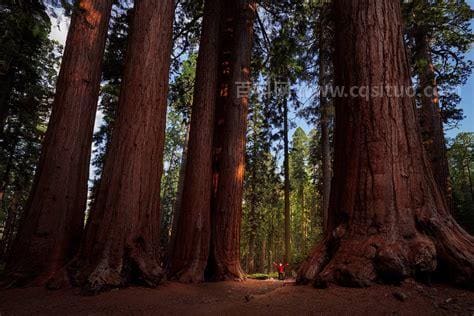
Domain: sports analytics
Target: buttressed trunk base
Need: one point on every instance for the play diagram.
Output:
(229, 143)
(193, 232)
(53, 222)
(388, 218)
(121, 243)
(208, 232)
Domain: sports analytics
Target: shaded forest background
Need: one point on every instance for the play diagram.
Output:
(285, 162)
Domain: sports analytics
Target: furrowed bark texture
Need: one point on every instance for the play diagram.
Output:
(208, 233)
(54, 216)
(121, 244)
(390, 219)
(229, 145)
(191, 251)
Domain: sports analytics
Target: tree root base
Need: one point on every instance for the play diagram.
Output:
(361, 262)
(225, 272)
(193, 273)
(101, 277)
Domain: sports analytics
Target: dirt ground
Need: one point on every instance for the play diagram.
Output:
(251, 297)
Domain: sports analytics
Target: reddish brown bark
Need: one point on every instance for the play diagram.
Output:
(121, 243)
(54, 216)
(189, 257)
(390, 219)
(214, 171)
(430, 119)
(229, 144)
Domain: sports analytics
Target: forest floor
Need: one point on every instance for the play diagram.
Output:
(252, 297)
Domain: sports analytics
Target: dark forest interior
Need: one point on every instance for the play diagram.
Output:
(281, 153)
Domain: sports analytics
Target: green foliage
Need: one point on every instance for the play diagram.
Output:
(180, 100)
(182, 87)
(263, 196)
(186, 31)
(112, 73)
(286, 50)
(461, 160)
(186, 34)
(304, 197)
(289, 36)
(447, 25)
(176, 131)
(28, 65)
(263, 276)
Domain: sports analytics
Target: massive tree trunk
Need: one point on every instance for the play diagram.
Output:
(325, 83)
(430, 118)
(121, 243)
(390, 220)
(189, 257)
(54, 216)
(214, 172)
(229, 145)
(286, 167)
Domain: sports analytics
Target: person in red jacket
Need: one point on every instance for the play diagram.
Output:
(281, 270)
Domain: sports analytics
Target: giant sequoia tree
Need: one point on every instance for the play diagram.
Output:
(229, 143)
(121, 243)
(54, 216)
(388, 218)
(213, 184)
(190, 255)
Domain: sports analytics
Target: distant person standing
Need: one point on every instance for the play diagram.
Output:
(281, 270)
